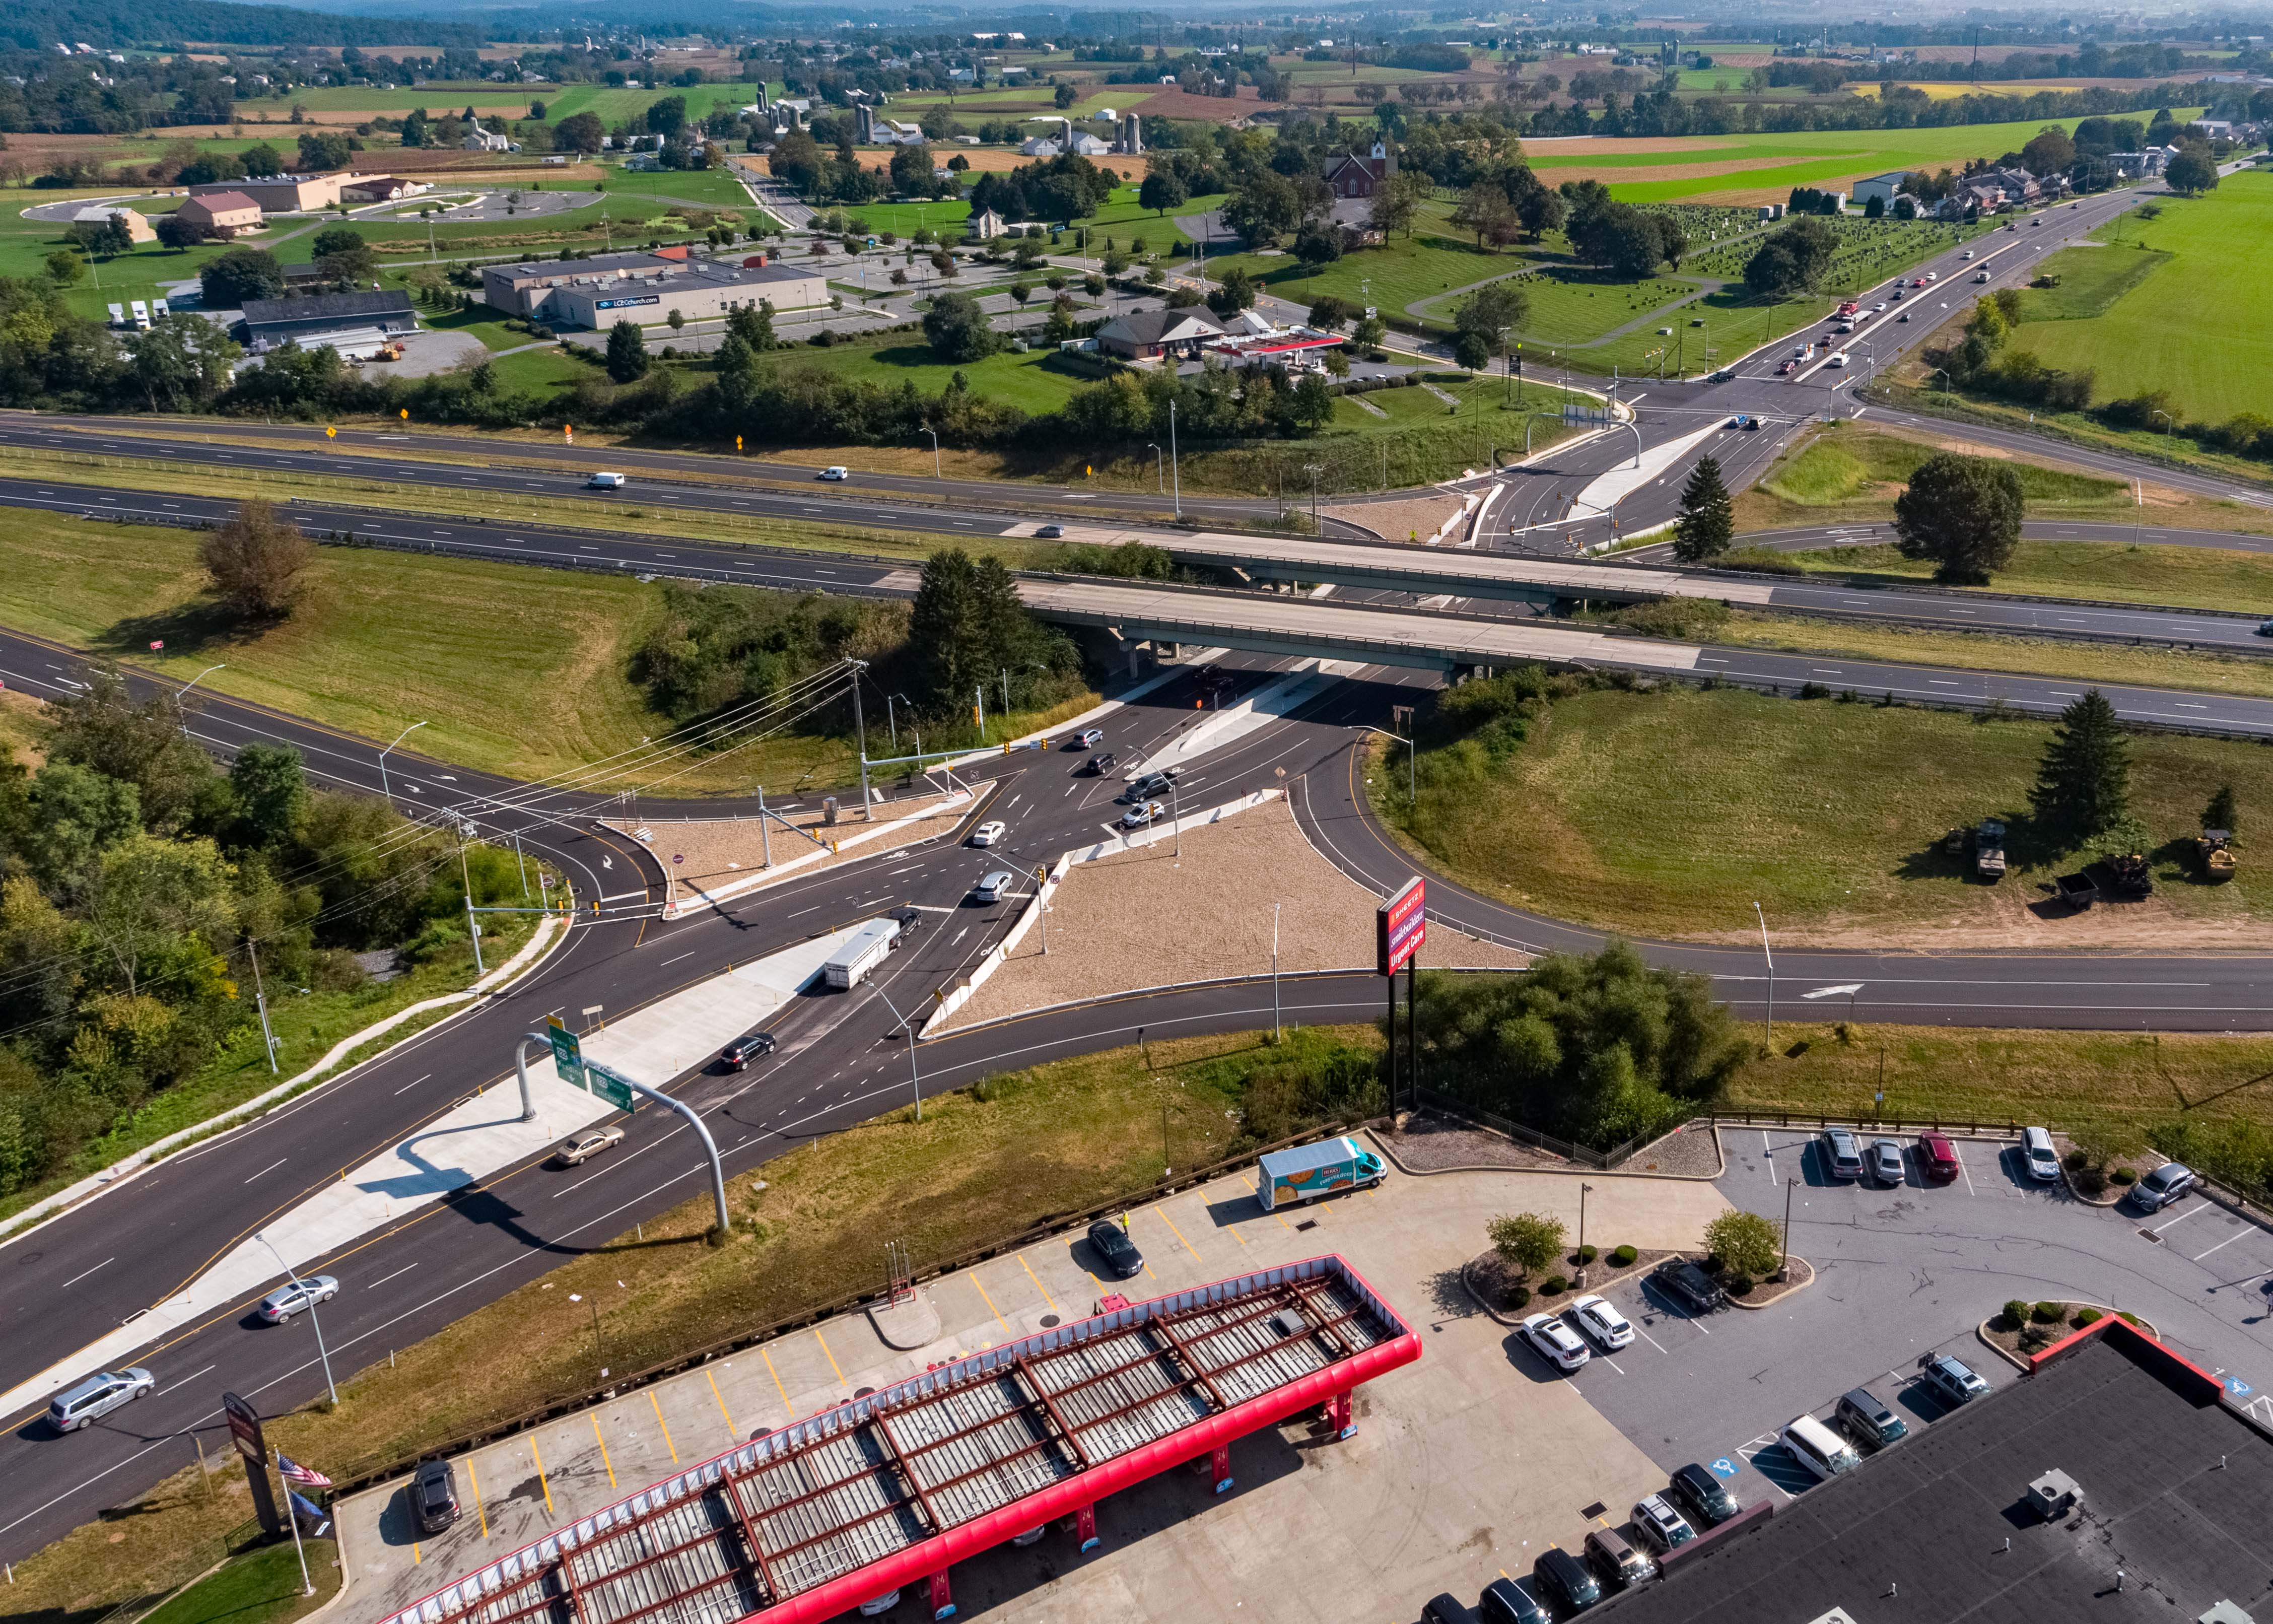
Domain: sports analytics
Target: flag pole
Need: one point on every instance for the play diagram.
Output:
(308, 1585)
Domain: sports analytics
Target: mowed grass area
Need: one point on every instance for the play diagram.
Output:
(977, 1170)
(261, 1587)
(2184, 577)
(2198, 324)
(1671, 813)
(1040, 380)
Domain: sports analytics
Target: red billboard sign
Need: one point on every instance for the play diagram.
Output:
(1401, 925)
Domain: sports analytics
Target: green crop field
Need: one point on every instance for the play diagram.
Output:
(2190, 312)
(390, 99)
(616, 106)
(710, 188)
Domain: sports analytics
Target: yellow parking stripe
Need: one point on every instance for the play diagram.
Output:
(823, 1341)
(991, 1309)
(474, 1477)
(603, 1443)
(1283, 1224)
(1038, 1286)
(1178, 1234)
(775, 1374)
(660, 1421)
(723, 1410)
(541, 1482)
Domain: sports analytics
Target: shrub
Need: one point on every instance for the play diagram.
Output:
(1584, 1255)
(1527, 1240)
(1554, 1285)
(1743, 1242)
(2124, 1176)
(2074, 1161)
(1518, 1296)
(2016, 1314)
(2049, 1313)
(1737, 1284)
(2035, 1338)
(2086, 1316)
(1624, 1255)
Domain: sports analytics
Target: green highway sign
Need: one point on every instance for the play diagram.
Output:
(609, 1086)
(567, 1053)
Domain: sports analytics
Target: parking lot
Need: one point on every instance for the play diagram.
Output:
(1903, 1273)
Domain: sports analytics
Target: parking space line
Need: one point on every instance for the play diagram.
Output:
(775, 1374)
(1651, 1341)
(1178, 1234)
(2228, 1241)
(542, 1481)
(660, 1421)
(1957, 1150)
(1005, 1324)
(832, 1358)
(731, 1433)
(1038, 1286)
(1256, 1192)
(475, 1479)
(603, 1443)
(2181, 1218)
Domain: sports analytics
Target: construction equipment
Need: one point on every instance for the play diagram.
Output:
(1989, 850)
(2217, 860)
(2132, 878)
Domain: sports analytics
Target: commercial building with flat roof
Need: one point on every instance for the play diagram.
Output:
(701, 292)
(526, 289)
(311, 321)
(283, 194)
(2176, 1481)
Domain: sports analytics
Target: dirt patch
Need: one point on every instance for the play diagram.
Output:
(1691, 1151)
(1428, 1143)
(1206, 914)
(703, 854)
(1410, 520)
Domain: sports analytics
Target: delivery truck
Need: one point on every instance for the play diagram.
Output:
(863, 950)
(1290, 1178)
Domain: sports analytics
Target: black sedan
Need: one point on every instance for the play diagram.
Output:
(738, 1054)
(1113, 1244)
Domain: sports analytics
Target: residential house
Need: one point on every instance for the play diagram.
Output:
(985, 226)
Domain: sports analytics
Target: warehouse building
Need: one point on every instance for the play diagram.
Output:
(283, 194)
(137, 229)
(699, 292)
(335, 319)
(528, 289)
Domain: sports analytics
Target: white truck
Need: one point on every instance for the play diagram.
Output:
(1290, 1178)
(863, 950)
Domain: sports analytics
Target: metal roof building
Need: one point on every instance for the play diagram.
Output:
(808, 1522)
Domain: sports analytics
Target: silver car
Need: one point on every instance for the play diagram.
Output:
(297, 1295)
(97, 1396)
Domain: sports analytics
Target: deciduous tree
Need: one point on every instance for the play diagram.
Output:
(256, 560)
(1961, 513)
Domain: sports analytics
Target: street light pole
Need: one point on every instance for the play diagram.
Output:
(1770, 1025)
(182, 714)
(915, 1076)
(386, 794)
(1160, 475)
(1176, 472)
(1276, 1031)
(314, 1317)
(1583, 1188)
(1785, 1267)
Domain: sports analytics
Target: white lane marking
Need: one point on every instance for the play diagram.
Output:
(2182, 1217)
(180, 1381)
(83, 1274)
(667, 963)
(1959, 1155)
(413, 1083)
(383, 1279)
(271, 1168)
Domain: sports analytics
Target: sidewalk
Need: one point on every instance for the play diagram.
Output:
(1449, 1452)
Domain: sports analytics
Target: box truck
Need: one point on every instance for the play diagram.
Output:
(863, 950)
(1290, 1178)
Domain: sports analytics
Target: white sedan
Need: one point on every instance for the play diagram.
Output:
(1605, 1324)
(988, 834)
(296, 1295)
(585, 1145)
(1555, 1342)
(1143, 813)
(835, 472)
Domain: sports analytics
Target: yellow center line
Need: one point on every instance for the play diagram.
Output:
(1005, 1324)
(603, 1443)
(775, 1374)
(480, 1515)
(731, 1433)
(1178, 1234)
(660, 1421)
(832, 1359)
(542, 1481)
(1037, 1279)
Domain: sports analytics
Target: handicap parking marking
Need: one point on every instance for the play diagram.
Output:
(2237, 1387)
(1724, 1467)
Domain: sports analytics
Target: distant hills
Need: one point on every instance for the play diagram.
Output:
(38, 24)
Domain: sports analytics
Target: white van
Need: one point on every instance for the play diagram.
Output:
(1819, 1449)
(606, 481)
(2041, 1156)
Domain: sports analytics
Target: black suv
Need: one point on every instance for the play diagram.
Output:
(1113, 1245)
(1561, 1578)
(1683, 1279)
(1100, 763)
(434, 1497)
(1703, 1496)
(736, 1055)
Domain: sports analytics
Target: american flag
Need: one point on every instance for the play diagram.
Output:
(306, 1475)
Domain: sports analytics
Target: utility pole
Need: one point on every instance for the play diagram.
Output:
(1769, 1028)
(1277, 1032)
(860, 731)
(465, 879)
(1785, 1267)
(915, 1076)
(260, 998)
(1174, 472)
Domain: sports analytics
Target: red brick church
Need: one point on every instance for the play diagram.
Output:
(1350, 176)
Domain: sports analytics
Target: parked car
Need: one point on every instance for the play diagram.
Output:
(1660, 1525)
(736, 1055)
(1703, 1496)
(1113, 1245)
(433, 1496)
(988, 833)
(1100, 764)
(1817, 1448)
(2040, 1155)
(1610, 1554)
(1507, 1602)
(1842, 1153)
(1142, 814)
(877, 1606)
(1952, 1380)
(1050, 532)
(1562, 1579)
(834, 471)
(1885, 1161)
(1937, 1158)
(2165, 1184)
(579, 1148)
(95, 1397)
(994, 887)
(1556, 1343)
(1868, 1421)
(1089, 738)
(1447, 1609)
(294, 1295)
(1605, 1324)
(1689, 1285)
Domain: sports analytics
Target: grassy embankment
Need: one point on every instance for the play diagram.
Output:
(1670, 813)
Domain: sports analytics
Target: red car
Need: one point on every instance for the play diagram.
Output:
(1787, 369)
(1937, 1158)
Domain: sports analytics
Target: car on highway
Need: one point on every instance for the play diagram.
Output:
(736, 1055)
(297, 1295)
(579, 1148)
(1150, 784)
(988, 833)
(1089, 738)
(1562, 1579)
(1660, 1525)
(433, 1491)
(1968, 254)
(834, 471)
(1905, 316)
(1112, 1243)
(994, 887)
(1868, 1421)
(1879, 309)
(1886, 1160)
(1507, 1602)
(909, 920)
(1937, 1161)
(1605, 1324)
(1787, 369)
(606, 481)
(1842, 1153)
(90, 1400)
(2040, 1155)
(1050, 532)
(1143, 813)
(1917, 282)
(1690, 1286)
(1838, 358)
(1951, 1380)
(1744, 420)
(1703, 1496)
(2265, 629)
(1556, 1343)
(1097, 766)
(2165, 1184)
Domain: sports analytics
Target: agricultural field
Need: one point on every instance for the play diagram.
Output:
(2181, 303)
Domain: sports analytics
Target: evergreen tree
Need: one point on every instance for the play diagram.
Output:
(967, 625)
(2083, 783)
(626, 352)
(1708, 520)
(2222, 812)
(1962, 512)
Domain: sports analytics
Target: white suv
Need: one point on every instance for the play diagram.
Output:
(1555, 1342)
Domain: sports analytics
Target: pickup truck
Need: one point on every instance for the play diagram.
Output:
(1290, 1178)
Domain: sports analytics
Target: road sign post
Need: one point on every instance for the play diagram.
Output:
(244, 1430)
(604, 1082)
(1401, 925)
